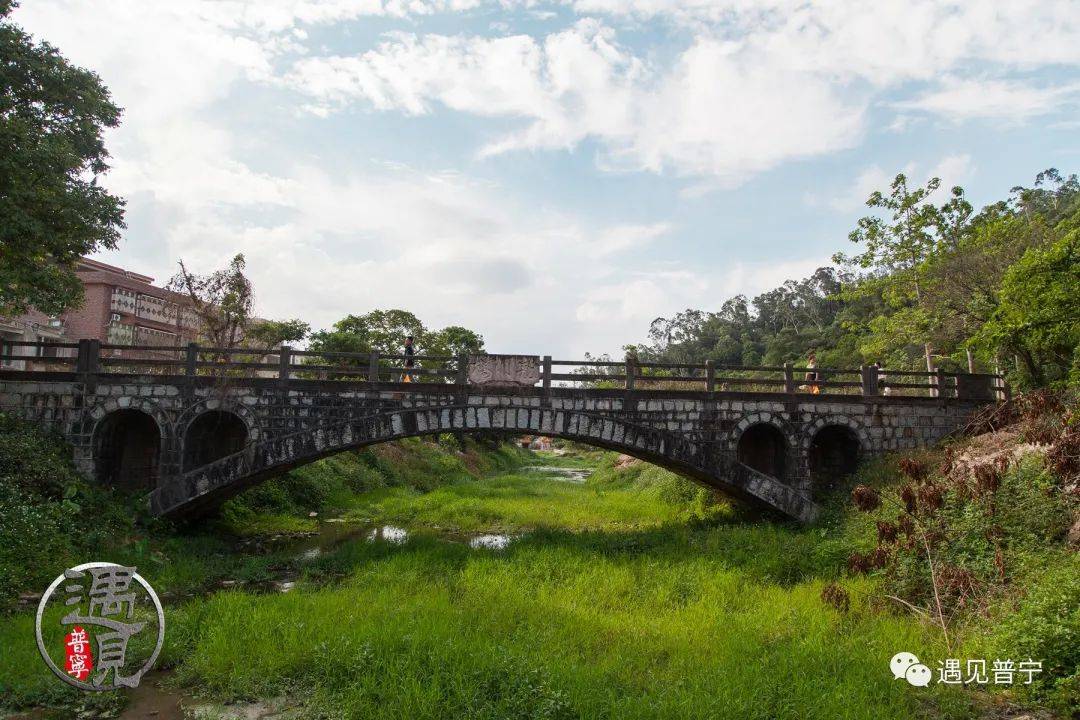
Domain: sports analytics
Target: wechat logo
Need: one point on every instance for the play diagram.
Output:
(906, 665)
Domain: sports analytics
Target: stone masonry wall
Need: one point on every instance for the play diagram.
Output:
(75, 405)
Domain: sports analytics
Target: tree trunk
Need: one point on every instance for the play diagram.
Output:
(1034, 371)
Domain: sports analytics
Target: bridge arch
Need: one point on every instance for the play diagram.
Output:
(209, 484)
(127, 444)
(764, 447)
(192, 412)
(833, 446)
(212, 435)
(765, 443)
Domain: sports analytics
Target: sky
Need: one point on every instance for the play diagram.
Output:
(554, 175)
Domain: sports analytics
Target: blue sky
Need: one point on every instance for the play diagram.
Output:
(552, 174)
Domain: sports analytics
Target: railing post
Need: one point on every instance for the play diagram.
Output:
(82, 358)
(373, 367)
(93, 357)
(284, 361)
(710, 376)
(789, 378)
(547, 374)
(939, 381)
(631, 371)
(870, 380)
(89, 364)
(463, 369)
(191, 364)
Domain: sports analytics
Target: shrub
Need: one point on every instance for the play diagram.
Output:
(50, 517)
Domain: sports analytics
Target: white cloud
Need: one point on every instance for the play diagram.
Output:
(881, 41)
(752, 278)
(759, 84)
(959, 100)
(952, 170)
(722, 110)
(727, 111)
(618, 312)
(625, 237)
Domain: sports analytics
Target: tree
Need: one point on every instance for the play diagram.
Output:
(896, 249)
(222, 301)
(384, 332)
(453, 340)
(1038, 314)
(52, 210)
(269, 334)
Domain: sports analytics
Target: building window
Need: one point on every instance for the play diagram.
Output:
(157, 338)
(6, 348)
(120, 334)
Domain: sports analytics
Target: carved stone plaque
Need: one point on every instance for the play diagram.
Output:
(504, 370)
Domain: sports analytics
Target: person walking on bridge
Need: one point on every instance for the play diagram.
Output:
(812, 373)
(409, 361)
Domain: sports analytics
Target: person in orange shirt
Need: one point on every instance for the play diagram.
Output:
(812, 374)
(409, 362)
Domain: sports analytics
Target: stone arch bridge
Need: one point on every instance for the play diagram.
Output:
(195, 426)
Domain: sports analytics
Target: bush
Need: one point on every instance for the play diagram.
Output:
(50, 517)
(1045, 625)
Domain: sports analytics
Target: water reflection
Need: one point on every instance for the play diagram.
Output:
(563, 474)
(491, 542)
(388, 533)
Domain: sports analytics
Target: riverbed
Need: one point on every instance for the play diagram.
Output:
(536, 593)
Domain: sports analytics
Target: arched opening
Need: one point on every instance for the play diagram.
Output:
(764, 448)
(834, 454)
(212, 436)
(127, 444)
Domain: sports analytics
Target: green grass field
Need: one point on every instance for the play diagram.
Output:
(627, 596)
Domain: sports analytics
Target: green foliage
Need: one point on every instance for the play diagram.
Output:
(655, 482)
(52, 117)
(1044, 624)
(452, 340)
(1008, 585)
(384, 332)
(1039, 310)
(222, 301)
(630, 623)
(275, 333)
(50, 518)
(900, 245)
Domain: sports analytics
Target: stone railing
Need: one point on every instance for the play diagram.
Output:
(286, 365)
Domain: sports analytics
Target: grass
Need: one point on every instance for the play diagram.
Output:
(604, 625)
(634, 595)
(513, 502)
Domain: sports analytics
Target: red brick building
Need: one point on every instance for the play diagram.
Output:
(121, 307)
